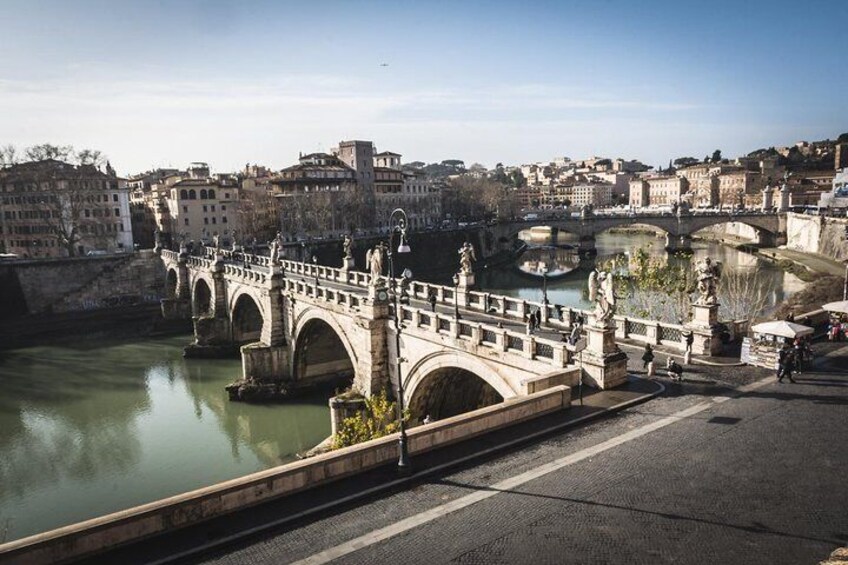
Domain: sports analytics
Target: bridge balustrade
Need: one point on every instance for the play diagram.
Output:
(547, 351)
(169, 255)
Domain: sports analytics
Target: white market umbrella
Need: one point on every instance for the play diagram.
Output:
(841, 306)
(782, 329)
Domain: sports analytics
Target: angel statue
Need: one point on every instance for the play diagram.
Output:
(466, 257)
(347, 246)
(374, 259)
(601, 292)
(707, 274)
(275, 248)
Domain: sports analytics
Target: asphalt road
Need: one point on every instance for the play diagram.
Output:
(705, 474)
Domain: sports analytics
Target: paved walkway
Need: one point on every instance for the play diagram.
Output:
(707, 473)
(594, 404)
(817, 263)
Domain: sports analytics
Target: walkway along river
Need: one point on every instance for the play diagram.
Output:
(92, 427)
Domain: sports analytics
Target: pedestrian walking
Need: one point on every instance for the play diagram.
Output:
(538, 319)
(431, 298)
(647, 356)
(690, 339)
(785, 363)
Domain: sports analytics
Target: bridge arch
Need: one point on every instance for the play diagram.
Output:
(433, 382)
(331, 349)
(246, 319)
(171, 283)
(201, 297)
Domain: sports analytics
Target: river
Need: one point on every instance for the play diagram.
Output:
(92, 427)
(89, 427)
(570, 289)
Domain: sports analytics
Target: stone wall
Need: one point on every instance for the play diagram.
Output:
(817, 234)
(79, 284)
(803, 233)
(99, 534)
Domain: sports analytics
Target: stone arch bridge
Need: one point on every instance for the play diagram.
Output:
(770, 227)
(302, 323)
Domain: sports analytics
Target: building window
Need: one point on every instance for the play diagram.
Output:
(203, 194)
(205, 208)
(224, 220)
(211, 194)
(185, 221)
(117, 212)
(183, 194)
(114, 197)
(185, 209)
(205, 220)
(192, 195)
(214, 220)
(213, 207)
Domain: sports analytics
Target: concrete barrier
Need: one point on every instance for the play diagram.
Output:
(106, 532)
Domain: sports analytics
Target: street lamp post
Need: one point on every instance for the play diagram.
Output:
(398, 222)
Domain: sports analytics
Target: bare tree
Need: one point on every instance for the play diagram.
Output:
(744, 294)
(258, 215)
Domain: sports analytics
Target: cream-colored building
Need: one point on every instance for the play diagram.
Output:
(662, 190)
(193, 205)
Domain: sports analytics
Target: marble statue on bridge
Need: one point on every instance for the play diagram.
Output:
(275, 248)
(466, 258)
(602, 293)
(707, 274)
(374, 259)
(347, 247)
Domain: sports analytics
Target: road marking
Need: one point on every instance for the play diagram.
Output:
(406, 524)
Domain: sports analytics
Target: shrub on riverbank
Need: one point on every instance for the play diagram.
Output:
(825, 288)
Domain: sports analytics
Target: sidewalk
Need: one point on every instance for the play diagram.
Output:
(335, 497)
(814, 262)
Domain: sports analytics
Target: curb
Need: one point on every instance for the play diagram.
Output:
(414, 476)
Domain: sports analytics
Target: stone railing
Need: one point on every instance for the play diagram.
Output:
(651, 331)
(169, 256)
(238, 257)
(547, 351)
(246, 275)
(323, 272)
(318, 292)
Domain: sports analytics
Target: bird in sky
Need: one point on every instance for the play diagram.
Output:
(384, 64)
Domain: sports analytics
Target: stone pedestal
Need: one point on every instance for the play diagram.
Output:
(265, 362)
(604, 365)
(704, 316)
(704, 329)
(342, 407)
(768, 199)
(348, 264)
(783, 205)
(466, 281)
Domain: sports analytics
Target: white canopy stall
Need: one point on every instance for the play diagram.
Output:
(769, 337)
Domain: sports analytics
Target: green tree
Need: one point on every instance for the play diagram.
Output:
(655, 288)
(378, 419)
(685, 161)
(716, 158)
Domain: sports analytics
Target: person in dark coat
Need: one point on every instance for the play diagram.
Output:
(647, 356)
(785, 363)
(431, 298)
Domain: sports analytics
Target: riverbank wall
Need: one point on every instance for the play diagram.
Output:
(818, 234)
(107, 532)
(79, 284)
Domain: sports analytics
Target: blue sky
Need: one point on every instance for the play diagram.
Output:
(161, 83)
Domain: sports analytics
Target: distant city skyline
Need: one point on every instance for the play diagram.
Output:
(228, 83)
